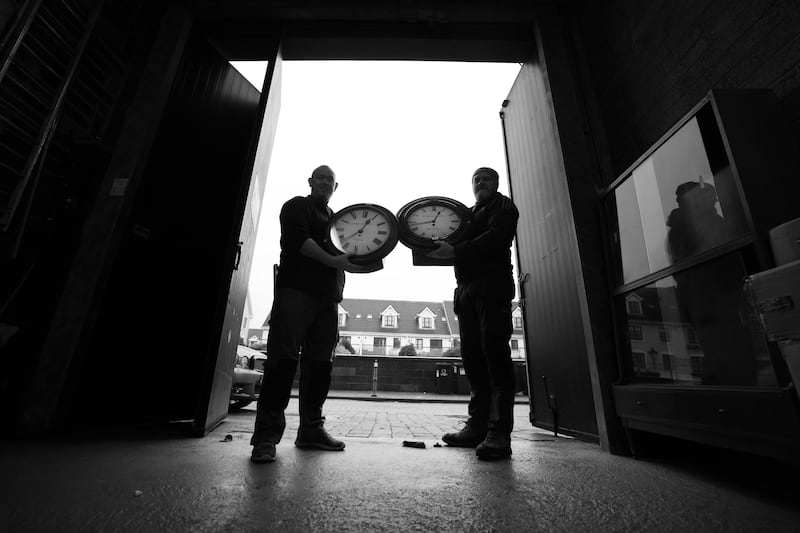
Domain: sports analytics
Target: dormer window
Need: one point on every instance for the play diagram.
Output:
(633, 303)
(425, 320)
(389, 317)
(516, 317)
(342, 316)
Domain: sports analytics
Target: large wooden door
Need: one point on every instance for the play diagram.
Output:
(178, 284)
(221, 378)
(547, 256)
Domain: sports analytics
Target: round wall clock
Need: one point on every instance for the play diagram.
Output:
(426, 221)
(368, 231)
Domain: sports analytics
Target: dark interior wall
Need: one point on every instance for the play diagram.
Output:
(652, 61)
(32, 281)
(158, 324)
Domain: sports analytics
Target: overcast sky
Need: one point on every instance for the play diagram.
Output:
(392, 132)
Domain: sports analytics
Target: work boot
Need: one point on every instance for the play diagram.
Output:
(496, 445)
(469, 437)
(263, 452)
(315, 381)
(276, 390)
(318, 438)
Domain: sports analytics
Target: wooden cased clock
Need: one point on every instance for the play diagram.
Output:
(425, 221)
(368, 231)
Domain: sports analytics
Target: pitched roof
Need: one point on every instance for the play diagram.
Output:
(365, 315)
(258, 332)
(659, 304)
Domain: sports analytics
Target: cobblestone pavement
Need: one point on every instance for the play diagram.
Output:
(361, 419)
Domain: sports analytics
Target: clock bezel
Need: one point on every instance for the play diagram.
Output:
(416, 242)
(376, 255)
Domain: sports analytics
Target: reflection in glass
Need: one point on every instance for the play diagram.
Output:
(680, 201)
(697, 327)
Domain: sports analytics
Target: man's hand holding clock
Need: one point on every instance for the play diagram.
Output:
(443, 250)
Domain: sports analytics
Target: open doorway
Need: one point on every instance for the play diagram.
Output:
(393, 132)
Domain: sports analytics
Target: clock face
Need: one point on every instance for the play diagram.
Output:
(365, 230)
(425, 221)
(433, 222)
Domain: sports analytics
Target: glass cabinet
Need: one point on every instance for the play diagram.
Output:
(688, 223)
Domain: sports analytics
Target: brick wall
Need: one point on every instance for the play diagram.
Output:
(402, 374)
(651, 62)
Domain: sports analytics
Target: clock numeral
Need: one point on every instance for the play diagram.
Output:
(383, 232)
(355, 248)
(364, 214)
(353, 215)
(380, 223)
(346, 245)
(377, 241)
(452, 228)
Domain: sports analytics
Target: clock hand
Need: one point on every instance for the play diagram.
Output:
(360, 230)
(354, 234)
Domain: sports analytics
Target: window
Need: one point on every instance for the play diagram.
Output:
(517, 322)
(380, 342)
(342, 319)
(418, 344)
(358, 316)
(427, 322)
(690, 303)
(444, 319)
(389, 321)
(666, 360)
(396, 343)
(514, 344)
(655, 231)
(634, 307)
(691, 337)
(638, 361)
(697, 365)
(436, 344)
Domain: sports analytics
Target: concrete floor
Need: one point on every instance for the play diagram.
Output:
(162, 483)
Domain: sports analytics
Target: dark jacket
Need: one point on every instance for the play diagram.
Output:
(303, 218)
(486, 252)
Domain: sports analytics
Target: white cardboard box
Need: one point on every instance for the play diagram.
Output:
(791, 354)
(776, 295)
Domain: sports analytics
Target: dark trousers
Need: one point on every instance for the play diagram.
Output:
(484, 317)
(304, 328)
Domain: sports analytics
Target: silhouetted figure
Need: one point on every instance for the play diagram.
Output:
(695, 225)
(482, 302)
(303, 322)
(711, 295)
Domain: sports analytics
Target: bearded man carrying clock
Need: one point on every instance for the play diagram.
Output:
(303, 322)
(482, 300)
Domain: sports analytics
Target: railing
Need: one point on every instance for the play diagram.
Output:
(371, 350)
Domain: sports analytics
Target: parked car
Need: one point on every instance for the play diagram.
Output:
(247, 375)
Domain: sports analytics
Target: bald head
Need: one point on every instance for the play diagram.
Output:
(322, 183)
